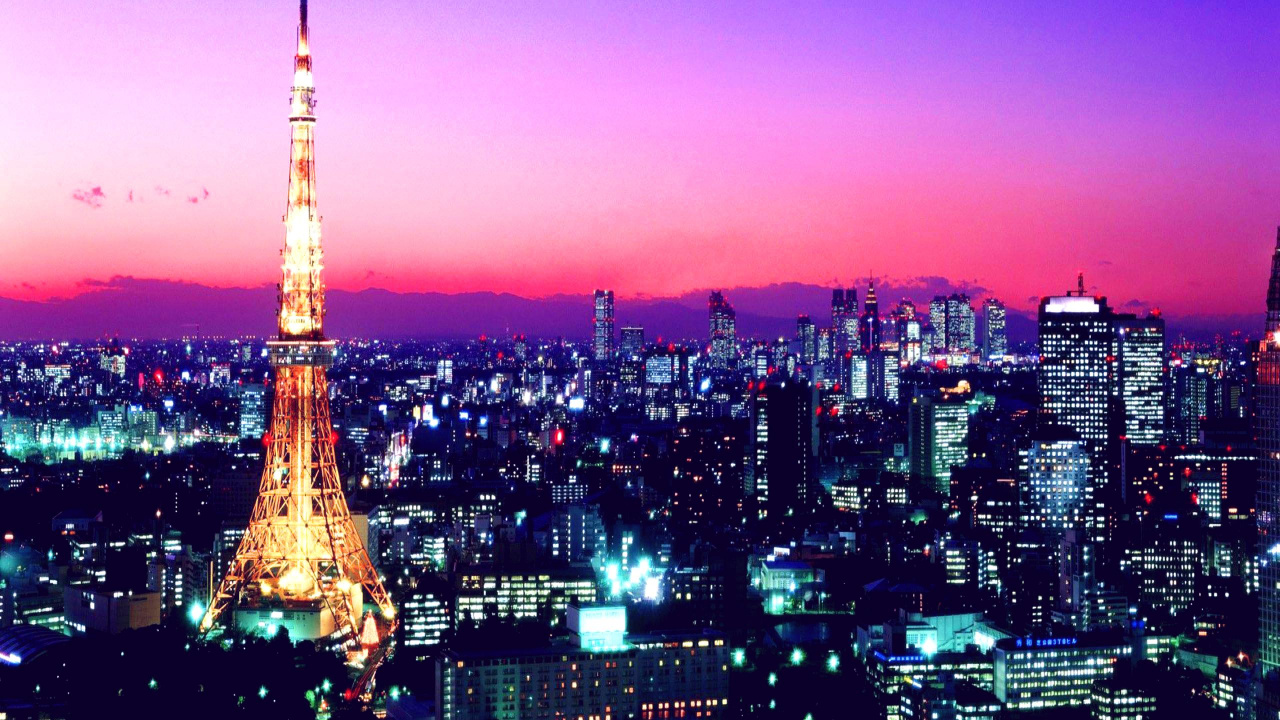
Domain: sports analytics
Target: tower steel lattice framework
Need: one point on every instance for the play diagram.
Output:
(302, 546)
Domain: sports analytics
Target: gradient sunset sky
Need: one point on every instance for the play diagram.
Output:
(544, 147)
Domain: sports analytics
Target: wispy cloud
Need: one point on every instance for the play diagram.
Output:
(161, 190)
(204, 195)
(92, 196)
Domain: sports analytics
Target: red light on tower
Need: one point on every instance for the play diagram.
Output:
(559, 439)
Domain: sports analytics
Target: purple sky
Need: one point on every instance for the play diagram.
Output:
(650, 147)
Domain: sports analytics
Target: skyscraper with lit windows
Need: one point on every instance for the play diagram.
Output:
(953, 323)
(1057, 471)
(844, 320)
(937, 438)
(602, 326)
(995, 341)
(1141, 377)
(807, 340)
(632, 344)
(1267, 433)
(1076, 376)
(722, 322)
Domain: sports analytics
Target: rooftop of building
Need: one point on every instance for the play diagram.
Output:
(20, 644)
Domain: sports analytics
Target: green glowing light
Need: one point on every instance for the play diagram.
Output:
(152, 684)
(326, 685)
(833, 662)
(739, 657)
(797, 656)
(262, 691)
(773, 679)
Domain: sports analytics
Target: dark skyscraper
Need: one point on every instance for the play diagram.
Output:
(869, 323)
(782, 450)
(806, 340)
(723, 331)
(602, 325)
(844, 319)
(1267, 432)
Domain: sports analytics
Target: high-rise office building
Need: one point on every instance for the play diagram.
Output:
(1141, 377)
(1188, 400)
(909, 333)
(1267, 433)
(806, 340)
(960, 324)
(825, 344)
(1057, 472)
(1076, 376)
(253, 410)
(953, 323)
(869, 323)
(938, 321)
(602, 326)
(937, 438)
(782, 441)
(995, 341)
(631, 346)
(858, 382)
(707, 474)
(1170, 562)
(723, 331)
(883, 370)
(844, 320)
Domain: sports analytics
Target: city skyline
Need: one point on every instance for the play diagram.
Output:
(922, 142)
(749, 492)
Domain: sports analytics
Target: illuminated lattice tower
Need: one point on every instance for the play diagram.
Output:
(301, 555)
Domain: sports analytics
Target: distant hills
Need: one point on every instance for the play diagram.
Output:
(145, 308)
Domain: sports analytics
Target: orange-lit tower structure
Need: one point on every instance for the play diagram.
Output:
(302, 551)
